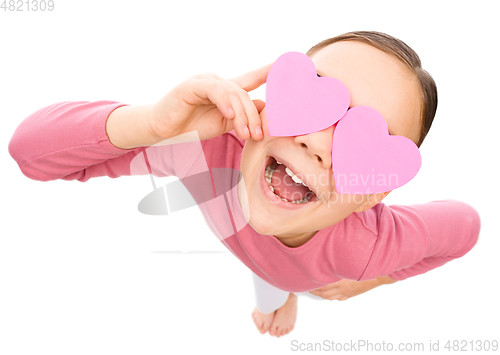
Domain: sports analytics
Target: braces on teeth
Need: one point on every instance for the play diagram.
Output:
(269, 174)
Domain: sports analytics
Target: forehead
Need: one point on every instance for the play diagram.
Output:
(375, 79)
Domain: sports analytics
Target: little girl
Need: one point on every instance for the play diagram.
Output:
(329, 243)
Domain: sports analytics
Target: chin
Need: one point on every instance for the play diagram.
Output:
(262, 225)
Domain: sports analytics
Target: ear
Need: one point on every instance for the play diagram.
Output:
(372, 201)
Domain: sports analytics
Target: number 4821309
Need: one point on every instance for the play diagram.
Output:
(478, 345)
(27, 5)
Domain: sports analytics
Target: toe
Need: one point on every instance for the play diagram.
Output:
(278, 332)
(265, 327)
(272, 330)
(262, 328)
(259, 326)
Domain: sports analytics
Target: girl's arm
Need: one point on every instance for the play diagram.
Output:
(412, 240)
(409, 240)
(68, 141)
(128, 127)
(76, 141)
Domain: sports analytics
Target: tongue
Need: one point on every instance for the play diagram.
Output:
(285, 187)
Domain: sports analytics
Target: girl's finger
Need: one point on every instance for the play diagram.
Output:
(259, 104)
(328, 294)
(253, 79)
(215, 93)
(252, 114)
(333, 297)
(226, 99)
(240, 120)
(253, 117)
(328, 287)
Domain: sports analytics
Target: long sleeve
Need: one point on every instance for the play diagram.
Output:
(68, 141)
(412, 240)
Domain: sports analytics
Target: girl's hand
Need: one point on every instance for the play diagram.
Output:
(345, 289)
(212, 106)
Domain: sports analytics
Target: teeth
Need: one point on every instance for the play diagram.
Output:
(294, 177)
(269, 174)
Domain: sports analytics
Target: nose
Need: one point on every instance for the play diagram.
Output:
(318, 146)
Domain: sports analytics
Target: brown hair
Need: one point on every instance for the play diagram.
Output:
(406, 55)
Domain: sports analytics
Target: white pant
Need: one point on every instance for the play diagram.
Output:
(270, 298)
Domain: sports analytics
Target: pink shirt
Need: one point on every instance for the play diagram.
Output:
(68, 141)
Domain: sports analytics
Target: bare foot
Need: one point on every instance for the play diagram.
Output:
(262, 320)
(285, 317)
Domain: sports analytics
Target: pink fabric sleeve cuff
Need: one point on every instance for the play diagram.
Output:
(102, 137)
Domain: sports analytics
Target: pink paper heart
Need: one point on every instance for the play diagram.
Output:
(366, 159)
(299, 102)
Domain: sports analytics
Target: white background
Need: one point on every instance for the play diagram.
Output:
(78, 268)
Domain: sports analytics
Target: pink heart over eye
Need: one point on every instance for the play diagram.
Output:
(299, 101)
(365, 158)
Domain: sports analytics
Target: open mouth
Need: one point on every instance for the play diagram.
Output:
(283, 182)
